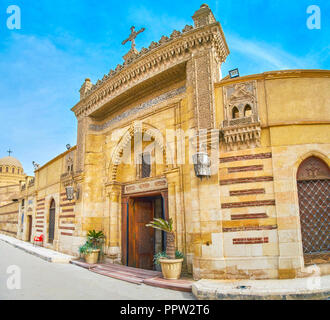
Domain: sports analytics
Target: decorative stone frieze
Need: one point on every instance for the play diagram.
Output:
(241, 127)
(148, 185)
(141, 107)
(150, 62)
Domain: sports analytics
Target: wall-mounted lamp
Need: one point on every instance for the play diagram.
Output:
(71, 192)
(202, 165)
(234, 73)
(68, 146)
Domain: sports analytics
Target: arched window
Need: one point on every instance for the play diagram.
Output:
(0, 169)
(247, 111)
(235, 113)
(51, 230)
(313, 181)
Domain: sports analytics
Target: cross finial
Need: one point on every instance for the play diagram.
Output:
(133, 36)
(9, 152)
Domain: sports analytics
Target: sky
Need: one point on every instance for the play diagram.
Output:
(62, 42)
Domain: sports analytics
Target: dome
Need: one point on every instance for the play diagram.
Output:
(10, 161)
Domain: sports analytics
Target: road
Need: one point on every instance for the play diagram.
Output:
(41, 280)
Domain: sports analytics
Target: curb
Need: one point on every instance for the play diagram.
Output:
(64, 259)
(202, 291)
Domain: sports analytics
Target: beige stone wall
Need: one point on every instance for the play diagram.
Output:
(9, 219)
(49, 184)
(9, 192)
(260, 235)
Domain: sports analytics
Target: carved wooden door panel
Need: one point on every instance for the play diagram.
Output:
(314, 205)
(141, 238)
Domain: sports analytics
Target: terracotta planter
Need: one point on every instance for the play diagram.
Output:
(171, 268)
(92, 257)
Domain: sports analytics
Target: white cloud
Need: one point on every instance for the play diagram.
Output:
(271, 56)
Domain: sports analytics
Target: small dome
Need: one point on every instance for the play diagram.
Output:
(10, 161)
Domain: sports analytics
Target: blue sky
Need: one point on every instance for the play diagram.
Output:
(43, 65)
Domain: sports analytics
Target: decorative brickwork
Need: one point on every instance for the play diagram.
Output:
(267, 155)
(246, 192)
(246, 180)
(250, 240)
(250, 228)
(248, 216)
(246, 168)
(260, 203)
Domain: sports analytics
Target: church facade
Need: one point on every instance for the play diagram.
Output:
(241, 164)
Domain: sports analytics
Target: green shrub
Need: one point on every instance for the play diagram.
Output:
(95, 240)
(162, 254)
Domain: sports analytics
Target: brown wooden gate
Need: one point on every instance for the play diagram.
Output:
(141, 238)
(51, 230)
(313, 180)
(29, 218)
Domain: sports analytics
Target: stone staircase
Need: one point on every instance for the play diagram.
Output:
(136, 276)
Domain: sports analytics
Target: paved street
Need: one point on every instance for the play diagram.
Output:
(44, 280)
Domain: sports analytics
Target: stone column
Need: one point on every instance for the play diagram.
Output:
(113, 219)
(175, 208)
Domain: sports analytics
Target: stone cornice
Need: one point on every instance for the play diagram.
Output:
(161, 56)
(281, 74)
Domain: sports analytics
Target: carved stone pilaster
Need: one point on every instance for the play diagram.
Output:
(200, 71)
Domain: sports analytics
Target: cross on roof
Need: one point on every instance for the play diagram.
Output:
(132, 37)
(9, 152)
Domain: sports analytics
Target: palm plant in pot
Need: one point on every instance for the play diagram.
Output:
(170, 261)
(93, 247)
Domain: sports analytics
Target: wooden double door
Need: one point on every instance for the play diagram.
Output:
(142, 241)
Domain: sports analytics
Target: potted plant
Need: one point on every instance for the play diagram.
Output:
(92, 248)
(170, 260)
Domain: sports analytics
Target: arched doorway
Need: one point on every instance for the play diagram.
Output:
(313, 180)
(51, 229)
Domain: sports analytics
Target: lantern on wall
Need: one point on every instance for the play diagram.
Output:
(202, 165)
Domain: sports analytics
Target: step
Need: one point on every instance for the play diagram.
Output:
(83, 264)
(138, 272)
(118, 276)
(122, 272)
(177, 285)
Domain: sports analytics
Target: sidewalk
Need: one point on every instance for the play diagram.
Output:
(43, 253)
(312, 288)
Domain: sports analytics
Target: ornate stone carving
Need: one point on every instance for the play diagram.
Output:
(141, 107)
(147, 63)
(149, 185)
(241, 127)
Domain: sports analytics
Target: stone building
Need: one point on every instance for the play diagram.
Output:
(241, 165)
(11, 176)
